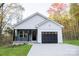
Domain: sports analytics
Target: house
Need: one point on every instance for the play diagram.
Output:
(38, 28)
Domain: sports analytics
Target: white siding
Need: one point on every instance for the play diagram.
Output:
(50, 27)
(30, 23)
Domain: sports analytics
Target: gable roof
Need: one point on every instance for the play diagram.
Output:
(40, 24)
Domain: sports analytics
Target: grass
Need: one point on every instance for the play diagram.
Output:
(21, 50)
(73, 42)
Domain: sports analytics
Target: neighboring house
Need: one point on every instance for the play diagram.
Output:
(38, 28)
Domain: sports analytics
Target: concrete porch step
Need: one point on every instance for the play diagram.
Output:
(24, 42)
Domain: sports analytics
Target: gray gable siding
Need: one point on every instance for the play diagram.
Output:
(41, 23)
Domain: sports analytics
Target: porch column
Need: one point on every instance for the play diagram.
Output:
(15, 34)
(31, 37)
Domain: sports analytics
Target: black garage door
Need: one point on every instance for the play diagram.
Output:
(49, 37)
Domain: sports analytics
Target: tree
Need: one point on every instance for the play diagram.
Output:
(74, 12)
(70, 19)
(56, 8)
(1, 18)
(59, 12)
(9, 12)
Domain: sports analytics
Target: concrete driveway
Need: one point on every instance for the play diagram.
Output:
(54, 50)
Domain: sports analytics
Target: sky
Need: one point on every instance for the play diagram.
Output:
(31, 8)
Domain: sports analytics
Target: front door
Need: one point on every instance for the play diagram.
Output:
(34, 35)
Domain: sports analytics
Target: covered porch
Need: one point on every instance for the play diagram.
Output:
(25, 35)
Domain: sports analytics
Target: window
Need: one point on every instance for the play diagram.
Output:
(25, 34)
(20, 33)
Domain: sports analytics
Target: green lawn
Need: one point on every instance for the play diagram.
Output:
(73, 42)
(21, 50)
